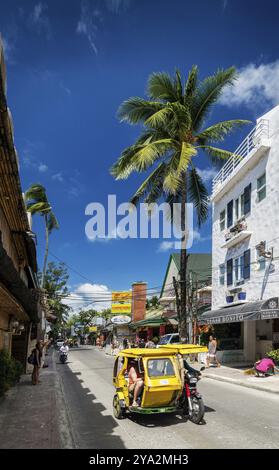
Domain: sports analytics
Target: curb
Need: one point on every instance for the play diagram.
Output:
(239, 382)
(64, 422)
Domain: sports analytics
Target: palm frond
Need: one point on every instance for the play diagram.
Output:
(160, 118)
(52, 222)
(136, 110)
(160, 86)
(216, 153)
(186, 154)
(208, 92)
(36, 192)
(191, 83)
(219, 131)
(198, 194)
(178, 86)
(151, 188)
(140, 157)
(173, 179)
(38, 207)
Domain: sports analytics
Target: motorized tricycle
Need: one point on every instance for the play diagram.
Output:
(164, 380)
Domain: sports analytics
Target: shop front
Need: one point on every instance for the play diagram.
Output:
(245, 332)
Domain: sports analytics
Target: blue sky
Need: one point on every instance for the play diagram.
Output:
(69, 66)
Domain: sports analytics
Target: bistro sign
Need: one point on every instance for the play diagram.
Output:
(259, 310)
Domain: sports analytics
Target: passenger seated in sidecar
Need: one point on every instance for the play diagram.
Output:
(135, 381)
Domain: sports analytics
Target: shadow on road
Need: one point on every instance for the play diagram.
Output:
(163, 420)
(92, 427)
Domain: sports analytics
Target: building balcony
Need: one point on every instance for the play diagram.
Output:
(236, 238)
(243, 159)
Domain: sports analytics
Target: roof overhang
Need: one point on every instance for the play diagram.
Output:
(259, 310)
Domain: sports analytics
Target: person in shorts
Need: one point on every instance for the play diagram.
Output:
(135, 381)
(211, 355)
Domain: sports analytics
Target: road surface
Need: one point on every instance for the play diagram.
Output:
(236, 417)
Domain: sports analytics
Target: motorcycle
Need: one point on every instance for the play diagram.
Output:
(191, 400)
(63, 357)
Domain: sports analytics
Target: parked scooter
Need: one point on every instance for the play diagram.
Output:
(191, 401)
(63, 357)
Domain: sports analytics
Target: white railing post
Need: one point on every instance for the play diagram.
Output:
(251, 141)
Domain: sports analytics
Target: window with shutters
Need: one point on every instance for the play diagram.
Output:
(247, 199)
(261, 188)
(222, 220)
(230, 214)
(229, 272)
(238, 269)
(222, 270)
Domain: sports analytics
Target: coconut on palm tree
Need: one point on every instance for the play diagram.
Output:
(37, 203)
(172, 142)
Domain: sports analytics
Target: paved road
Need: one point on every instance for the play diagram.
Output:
(236, 417)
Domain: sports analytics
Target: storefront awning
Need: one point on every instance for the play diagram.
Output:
(260, 310)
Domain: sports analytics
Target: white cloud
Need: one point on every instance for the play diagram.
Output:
(9, 49)
(257, 86)
(42, 168)
(87, 296)
(58, 177)
(39, 19)
(207, 174)
(116, 5)
(172, 245)
(166, 246)
(88, 24)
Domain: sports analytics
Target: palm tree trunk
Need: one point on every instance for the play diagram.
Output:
(46, 252)
(183, 266)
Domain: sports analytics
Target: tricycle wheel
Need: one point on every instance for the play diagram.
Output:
(118, 412)
(197, 410)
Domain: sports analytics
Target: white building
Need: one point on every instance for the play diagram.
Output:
(245, 244)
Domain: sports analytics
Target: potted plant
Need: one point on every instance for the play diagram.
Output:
(274, 354)
(241, 295)
(229, 297)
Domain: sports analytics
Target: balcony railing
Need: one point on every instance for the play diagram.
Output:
(252, 142)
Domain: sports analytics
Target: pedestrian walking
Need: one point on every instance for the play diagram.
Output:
(36, 356)
(125, 343)
(212, 348)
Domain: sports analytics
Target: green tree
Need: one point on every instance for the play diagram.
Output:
(172, 142)
(152, 303)
(55, 284)
(37, 203)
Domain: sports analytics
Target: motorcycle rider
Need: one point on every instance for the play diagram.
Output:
(64, 349)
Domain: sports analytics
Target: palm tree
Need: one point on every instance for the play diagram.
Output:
(37, 203)
(173, 135)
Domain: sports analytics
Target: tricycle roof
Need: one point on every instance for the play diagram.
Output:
(145, 352)
(184, 348)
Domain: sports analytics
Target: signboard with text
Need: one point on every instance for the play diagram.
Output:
(121, 296)
(121, 308)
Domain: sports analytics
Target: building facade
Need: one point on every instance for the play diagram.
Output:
(19, 296)
(245, 242)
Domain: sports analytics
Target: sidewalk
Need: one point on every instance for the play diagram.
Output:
(35, 417)
(235, 374)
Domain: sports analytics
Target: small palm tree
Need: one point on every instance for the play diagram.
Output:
(172, 139)
(37, 203)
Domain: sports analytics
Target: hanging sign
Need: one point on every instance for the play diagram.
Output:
(121, 296)
(121, 308)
